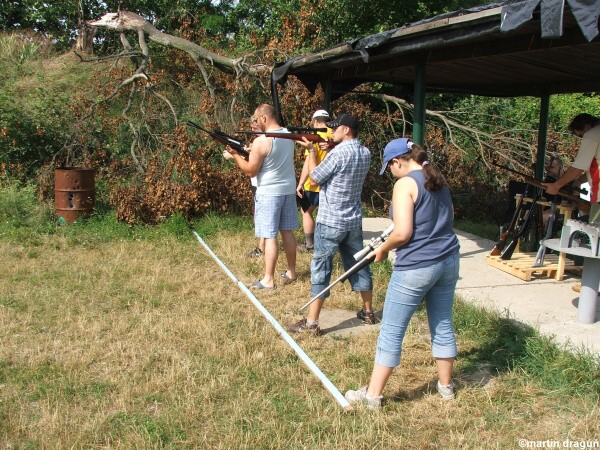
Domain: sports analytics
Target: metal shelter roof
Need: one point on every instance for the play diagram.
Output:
(523, 48)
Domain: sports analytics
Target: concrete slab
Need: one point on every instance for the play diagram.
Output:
(341, 322)
(545, 304)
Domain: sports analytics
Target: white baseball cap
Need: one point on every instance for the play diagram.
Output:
(321, 113)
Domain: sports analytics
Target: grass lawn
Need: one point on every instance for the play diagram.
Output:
(130, 337)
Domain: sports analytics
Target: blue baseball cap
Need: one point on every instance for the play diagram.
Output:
(394, 149)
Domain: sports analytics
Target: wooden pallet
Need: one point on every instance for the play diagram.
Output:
(521, 265)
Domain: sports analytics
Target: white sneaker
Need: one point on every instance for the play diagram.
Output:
(360, 396)
(446, 392)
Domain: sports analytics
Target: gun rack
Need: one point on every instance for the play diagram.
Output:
(521, 263)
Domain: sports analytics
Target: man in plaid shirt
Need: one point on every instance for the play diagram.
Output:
(340, 175)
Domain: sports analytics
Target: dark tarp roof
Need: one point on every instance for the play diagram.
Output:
(528, 47)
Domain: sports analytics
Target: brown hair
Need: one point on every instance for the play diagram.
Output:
(268, 111)
(434, 180)
(581, 120)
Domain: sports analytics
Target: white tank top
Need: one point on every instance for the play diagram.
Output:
(276, 175)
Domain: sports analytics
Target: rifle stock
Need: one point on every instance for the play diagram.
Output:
(503, 236)
(500, 244)
(223, 138)
(510, 248)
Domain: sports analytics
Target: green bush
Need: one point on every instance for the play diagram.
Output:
(38, 97)
(19, 208)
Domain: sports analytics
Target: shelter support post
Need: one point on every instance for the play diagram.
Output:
(326, 83)
(542, 136)
(419, 112)
(276, 103)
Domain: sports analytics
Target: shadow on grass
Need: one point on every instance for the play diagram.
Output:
(491, 345)
(352, 323)
(496, 345)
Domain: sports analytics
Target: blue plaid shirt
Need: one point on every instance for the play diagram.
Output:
(341, 176)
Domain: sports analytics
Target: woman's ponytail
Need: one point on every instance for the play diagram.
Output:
(434, 180)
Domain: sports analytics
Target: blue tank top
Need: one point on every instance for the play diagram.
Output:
(433, 239)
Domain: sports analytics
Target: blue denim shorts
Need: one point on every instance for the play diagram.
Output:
(274, 213)
(313, 197)
(328, 241)
(406, 290)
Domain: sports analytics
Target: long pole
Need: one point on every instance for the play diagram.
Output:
(337, 395)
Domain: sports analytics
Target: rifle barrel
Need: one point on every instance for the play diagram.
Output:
(313, 137)
(223, 138)
(306, 130)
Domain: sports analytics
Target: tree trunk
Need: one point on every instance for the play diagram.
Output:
(85, 40)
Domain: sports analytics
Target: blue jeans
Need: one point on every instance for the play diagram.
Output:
(328, 241)
(405, 291)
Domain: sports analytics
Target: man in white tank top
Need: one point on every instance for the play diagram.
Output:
(271, 161)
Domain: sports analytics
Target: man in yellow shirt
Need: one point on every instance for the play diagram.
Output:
(319, 120)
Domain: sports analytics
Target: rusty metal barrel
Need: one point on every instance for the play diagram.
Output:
(74, 192)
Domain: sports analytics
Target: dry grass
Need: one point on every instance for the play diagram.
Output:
(147, 343)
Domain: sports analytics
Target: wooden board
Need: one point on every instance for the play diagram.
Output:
(521, 265)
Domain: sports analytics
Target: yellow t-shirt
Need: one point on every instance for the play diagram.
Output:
(320, 153)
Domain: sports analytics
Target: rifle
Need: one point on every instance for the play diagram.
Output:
(582, 205)
(523, 227)
(222, 138)
(312, 137)
(364, 262)
(503, 235)
(306, 130)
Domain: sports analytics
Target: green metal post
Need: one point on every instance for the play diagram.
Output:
(326, 84)
(542, 136)
(419, 113)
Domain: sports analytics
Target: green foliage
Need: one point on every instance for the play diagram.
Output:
(333, 21)
(519, 116)
(19, 208)
(351, 19)
(61, 21)
(36, 96)
(15, 49)
(41, 100)
(24, 219)
(478, 228)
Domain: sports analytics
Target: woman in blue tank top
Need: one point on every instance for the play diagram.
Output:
(426, 266)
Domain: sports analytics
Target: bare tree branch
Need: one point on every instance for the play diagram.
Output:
(484, 141)
(128, 21)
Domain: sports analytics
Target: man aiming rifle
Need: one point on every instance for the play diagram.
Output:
(586, 127)
(305, 190)
(340, 175)
(271, 161)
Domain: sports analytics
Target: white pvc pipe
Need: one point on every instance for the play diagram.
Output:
(303, 356)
